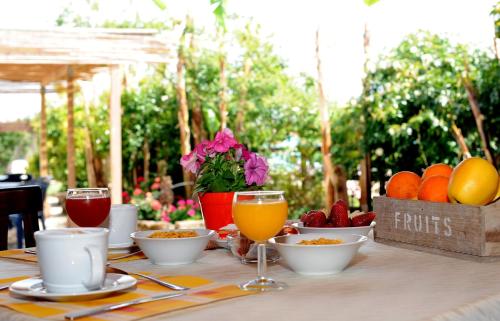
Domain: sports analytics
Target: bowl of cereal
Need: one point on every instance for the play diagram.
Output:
(360, 230)
(172, 247)
(318, 253)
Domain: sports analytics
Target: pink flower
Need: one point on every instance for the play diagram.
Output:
(156, 205)
(125, 197)
(155, 186)
(246, 154)
(189, 162)
(189, 202)
(165, 216)
(172, 208)
(224, 140)
(256, 170)
(203, 149)
(137, 191)
(181, 203)
(157, 179)
(191, 212)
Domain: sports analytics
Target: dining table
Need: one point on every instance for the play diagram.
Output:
(382, 283)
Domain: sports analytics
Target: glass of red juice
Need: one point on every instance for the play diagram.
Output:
(88, 207)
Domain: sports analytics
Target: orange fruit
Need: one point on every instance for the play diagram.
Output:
(434, 189)
(437, 169)
(498, 191)
(403, 185)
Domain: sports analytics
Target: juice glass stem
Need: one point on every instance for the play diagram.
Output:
(262, 283)
(261, 261)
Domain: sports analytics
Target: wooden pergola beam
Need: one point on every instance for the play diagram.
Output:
(15, 126)
(45, 73)
(83, 46)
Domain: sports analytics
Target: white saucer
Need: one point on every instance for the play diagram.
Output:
(222, 243)
(33, 288)
(120, 245)
(122, 248)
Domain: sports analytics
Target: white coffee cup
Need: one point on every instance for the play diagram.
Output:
(72, 260)
(122, 223)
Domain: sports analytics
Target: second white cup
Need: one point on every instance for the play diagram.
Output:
(122, 223)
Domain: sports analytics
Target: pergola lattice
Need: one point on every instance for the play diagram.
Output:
(61, 54)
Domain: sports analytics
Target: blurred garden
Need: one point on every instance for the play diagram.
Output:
(427, 100)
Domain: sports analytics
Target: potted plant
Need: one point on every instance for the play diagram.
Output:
(223, 166)
(182, 210)
(155, 210)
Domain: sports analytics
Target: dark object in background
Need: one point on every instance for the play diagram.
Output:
(43, 182)
(15, 180)
(25, 201)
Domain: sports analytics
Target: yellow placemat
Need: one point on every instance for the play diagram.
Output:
(202, 292)
(19, 254)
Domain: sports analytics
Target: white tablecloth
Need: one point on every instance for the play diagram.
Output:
(382, 283)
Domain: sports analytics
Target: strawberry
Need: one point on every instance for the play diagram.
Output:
(304, 217)
(315, 219)
(344, 205)
(363, 219)
(339, 214)
(285, 230)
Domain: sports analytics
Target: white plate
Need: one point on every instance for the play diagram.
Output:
(223, 242)
(33, 288)
(121, 245)
(122, 248)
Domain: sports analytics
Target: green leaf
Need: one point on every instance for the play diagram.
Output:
(220, 13)
(370, 2)
(160, 4)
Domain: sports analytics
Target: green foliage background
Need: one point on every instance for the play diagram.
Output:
(416, 93)
(412, 95)
(13, 145)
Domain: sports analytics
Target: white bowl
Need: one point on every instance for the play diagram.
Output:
(318, 259)
(170, 251)
(360, 230)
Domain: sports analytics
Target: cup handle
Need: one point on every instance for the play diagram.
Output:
(97, 271)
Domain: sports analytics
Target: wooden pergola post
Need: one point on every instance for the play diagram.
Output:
(115, 114)
(70, 148)
(44, 160)
(330, 180)
(365, 183)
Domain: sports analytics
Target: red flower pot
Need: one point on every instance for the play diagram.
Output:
(217, 209)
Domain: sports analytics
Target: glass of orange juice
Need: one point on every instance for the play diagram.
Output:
(260, 215)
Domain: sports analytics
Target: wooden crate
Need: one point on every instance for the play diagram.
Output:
(471, 232)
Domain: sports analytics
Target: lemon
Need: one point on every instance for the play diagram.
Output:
(473, 182)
